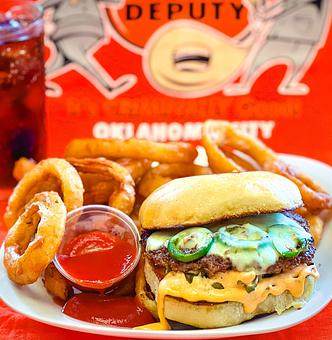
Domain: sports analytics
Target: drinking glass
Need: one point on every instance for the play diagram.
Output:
(22, 87)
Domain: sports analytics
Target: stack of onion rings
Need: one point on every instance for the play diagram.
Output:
(314, 197)
(53, 174)
(43, 222)
(97, 188)
(224, 145)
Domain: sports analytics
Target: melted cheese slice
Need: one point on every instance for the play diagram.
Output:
(174, 284)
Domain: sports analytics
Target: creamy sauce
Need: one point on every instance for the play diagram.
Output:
(159, 239)
(175, 285)
(245, 259)
(264, 220)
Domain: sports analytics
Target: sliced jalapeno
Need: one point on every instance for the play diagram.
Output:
(289, 241)
(246, 236)
(190, 244)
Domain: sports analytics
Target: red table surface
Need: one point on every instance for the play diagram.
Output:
(14, 326)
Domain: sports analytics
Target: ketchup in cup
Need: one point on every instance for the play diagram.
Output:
(99, 249)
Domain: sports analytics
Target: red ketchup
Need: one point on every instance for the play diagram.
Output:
(100, 248)
(107, 311)
(98, 256)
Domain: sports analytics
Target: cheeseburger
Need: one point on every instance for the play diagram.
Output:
(221, 249)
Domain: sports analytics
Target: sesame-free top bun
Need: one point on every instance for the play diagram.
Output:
(204, 199)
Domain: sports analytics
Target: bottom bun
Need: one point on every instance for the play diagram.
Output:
(208, 315)
(214, 315)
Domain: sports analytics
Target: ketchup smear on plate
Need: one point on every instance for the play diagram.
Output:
(108, 311)
(98, 256)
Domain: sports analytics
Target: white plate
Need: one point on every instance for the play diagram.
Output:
(34, 302)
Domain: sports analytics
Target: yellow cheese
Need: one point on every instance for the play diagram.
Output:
(156, 326)
(174, 284)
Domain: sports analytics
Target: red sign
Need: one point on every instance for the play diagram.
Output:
(157, 70)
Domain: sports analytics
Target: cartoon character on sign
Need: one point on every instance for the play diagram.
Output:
(297, 30)
(185, 58)
(78, 33)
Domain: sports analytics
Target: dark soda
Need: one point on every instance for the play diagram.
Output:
(22, 93)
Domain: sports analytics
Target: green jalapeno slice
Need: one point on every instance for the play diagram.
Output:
(289, 241)
(190, 244)
(246, 236)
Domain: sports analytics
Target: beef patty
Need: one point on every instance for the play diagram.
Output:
(212, 264)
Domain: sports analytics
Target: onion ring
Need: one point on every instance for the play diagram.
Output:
(50, 174)
(164, 173)
(131, 148)
(43, 221)
(217, 135)
(239, 158)
(220, 138)
(123, 197)
(97, 188)
(177, 170)
(314, 197)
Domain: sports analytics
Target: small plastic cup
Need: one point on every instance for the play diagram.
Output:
(98, 218)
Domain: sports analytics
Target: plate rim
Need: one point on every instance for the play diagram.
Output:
(214, 333)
